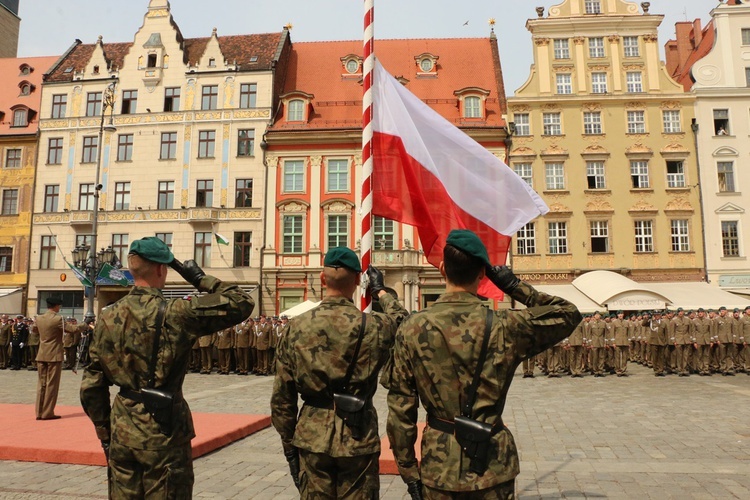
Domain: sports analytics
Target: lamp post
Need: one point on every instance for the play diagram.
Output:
(92, 265)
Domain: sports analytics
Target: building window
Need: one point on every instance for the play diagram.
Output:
(599, 83)
(552, 123)
(296, 111)
(59, 105)
(248, 95)
(89, 151)
(166, 238)
(47, 253)
(168, 146)
(730, 238)
(630, 46)
(206, 143)
(6, 261)
(526, 240)
(120, 246)
(151, 61)
(10, 202)
(593, 7)
(634, 81)
(13, 158)
(86, 196)
(246, 142)
(122, 195)
(644, 236)
(202, 252)
(172, 99)
(204, 193)
(93, 104)
(51, 197)
(524, 171)
(294, 176)
(338, 231)
(636, 122)
(558, 237)
(554, 176)
(680, 236)
(745, 36)
(243, 194)
(338, 176)
(523, 126)
(25, 89)
(426, 65)
(562, 49)
(721, 122)
(383, 233)
(243, 248)
(129, 101)
(595, 175)
(165, 200)
(20, 117)
(564, 83)
(54, 151)
(599, 236)
(596, 48)
(675, 174)
(592, 122)
(672, 122)
(726, 176)
(210, 97)
(292, 234)
(125, 147)
(639, 174)
(472, 107)
(83, 240)
(352, 66)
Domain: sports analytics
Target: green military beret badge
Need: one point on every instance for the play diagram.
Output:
(469, 243)
(153, 249)
(342, 257)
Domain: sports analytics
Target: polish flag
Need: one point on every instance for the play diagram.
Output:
(429, 174)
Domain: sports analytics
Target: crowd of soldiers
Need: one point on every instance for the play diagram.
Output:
(680, 342)
(19, 343)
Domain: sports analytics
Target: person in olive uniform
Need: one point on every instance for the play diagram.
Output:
(5, 327)
(148, 447)
(435, 359)
(328, 458)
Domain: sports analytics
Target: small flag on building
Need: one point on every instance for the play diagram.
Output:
(221, 240)
(79, 274)
(115, 275)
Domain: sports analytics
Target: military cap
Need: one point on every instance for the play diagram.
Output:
(747, 307)
(701, 310)
(342, 257)
(469, 243)
(53, 301)
(722, 308)
(680, 309)
(657, 311)
(736, 309)
(153, 249)
(620, 312)
(19, 316)
(284, 316)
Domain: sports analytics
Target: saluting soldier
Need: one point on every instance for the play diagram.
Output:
(224, 345)
(262, 344)
(142, 344)
(657, 341)
(241, 341)
(436, 361)
(334, 352)
(70, 344)
(5, 327)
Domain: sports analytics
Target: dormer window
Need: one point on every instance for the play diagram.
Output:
(472, 107)
(296, 111)
(352, 64)
(20, 117)
(151, 61)
(212, 63)
(297, 106)
(26, 88)
(472, 102)
(427, 64)
(25, 69)
(96, 69)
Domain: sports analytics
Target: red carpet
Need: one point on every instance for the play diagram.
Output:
(72, 440)
(387, 462)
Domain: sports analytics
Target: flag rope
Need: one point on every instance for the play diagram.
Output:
(367, 135)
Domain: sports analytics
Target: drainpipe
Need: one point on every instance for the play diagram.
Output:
(694, 127)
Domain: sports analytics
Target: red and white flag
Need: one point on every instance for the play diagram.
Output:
(429, 174)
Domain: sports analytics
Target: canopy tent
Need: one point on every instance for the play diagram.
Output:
(618, 292)
(11, 300)
(572, 294)
(699, 294)
(300, 308)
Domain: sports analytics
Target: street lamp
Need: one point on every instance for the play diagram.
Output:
(92, 265)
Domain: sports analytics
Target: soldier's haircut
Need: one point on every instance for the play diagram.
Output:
(339, 278)
(460, 268)
(140, 267)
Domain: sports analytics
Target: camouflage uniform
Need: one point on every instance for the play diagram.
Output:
(434, 361)
(142, 459)
(313, 355)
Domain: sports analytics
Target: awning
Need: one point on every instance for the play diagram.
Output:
(11, 300)
(570, 293)
(618, 292)
(300, 308)
(739, 291)
(699, 294)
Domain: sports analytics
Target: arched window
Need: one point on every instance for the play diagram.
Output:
(296, 111)
(20, 117)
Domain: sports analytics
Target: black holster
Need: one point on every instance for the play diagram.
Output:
(475, 440)
(351, 409)
(159, 404)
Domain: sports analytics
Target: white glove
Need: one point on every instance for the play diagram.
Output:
(21, 345)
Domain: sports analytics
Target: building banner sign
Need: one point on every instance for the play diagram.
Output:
(734, 280)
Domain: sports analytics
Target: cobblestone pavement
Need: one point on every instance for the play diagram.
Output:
(636, 437)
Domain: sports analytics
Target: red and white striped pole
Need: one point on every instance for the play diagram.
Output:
(366, 207)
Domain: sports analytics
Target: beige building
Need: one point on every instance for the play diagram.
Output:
(10, 24)
(184, 163)
(604, 135)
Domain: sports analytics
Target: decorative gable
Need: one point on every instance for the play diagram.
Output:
(730, 209)
(212, 58)
(98, 65)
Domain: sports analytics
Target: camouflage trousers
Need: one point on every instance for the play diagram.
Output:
(162, 474)
(326, 477)
(502, 491)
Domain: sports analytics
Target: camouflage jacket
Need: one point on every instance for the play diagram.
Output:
(434, 361)
(312, 358)
(121, 351)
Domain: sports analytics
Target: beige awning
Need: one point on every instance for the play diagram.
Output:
(570, 293)
(618, 292)
(699, 294)
(11, 300)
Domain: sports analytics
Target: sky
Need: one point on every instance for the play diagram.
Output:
(49, 27)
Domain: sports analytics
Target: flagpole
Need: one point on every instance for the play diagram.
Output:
(367, 135)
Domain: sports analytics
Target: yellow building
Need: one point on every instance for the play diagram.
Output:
(604, 135)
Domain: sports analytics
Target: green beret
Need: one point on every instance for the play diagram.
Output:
(153, 249)
(722, 308)
(342, 257)
(469, 243)
(53, 301)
